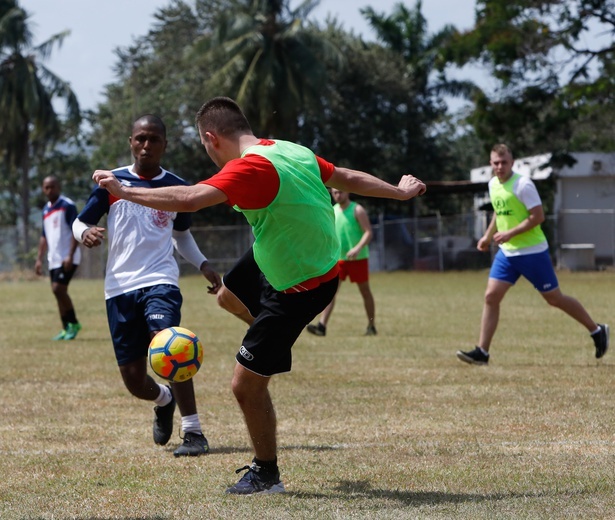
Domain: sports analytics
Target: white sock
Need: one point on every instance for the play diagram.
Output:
(191, 423)
(483, 351)
(596, 331)
(164, 398)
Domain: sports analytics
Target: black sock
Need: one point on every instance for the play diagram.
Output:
(69, 317)
(268, 466)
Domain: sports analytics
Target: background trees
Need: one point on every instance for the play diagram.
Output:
(545, 84)
(29, 122)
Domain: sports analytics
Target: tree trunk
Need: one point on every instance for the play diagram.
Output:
(24, 165)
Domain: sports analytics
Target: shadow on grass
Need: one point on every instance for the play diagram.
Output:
(156, 517)
(362, 489)
(225, 450)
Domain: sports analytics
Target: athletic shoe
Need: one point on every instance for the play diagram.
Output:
(371, 331)
(72, 329)
(60, 335)
(256, 480)
(601, 340)
(317, 330)
(194, 444)
(474, 357)
(163, 422)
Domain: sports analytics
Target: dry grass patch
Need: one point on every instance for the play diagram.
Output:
(386, 427)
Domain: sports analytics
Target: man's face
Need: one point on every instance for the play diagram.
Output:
(341, 197)
(147, 144)
(51, 189)
(501, 164)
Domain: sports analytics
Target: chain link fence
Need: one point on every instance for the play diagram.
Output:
(434, 243)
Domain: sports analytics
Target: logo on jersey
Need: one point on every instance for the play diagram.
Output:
(245, 354)
(124, 182)
(161, 218)
(156, 317)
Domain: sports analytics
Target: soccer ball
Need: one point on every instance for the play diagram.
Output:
(175, 354)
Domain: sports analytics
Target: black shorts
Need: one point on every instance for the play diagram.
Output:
(61, 276)
(279, 317)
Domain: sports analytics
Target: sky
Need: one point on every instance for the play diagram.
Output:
(97, 27)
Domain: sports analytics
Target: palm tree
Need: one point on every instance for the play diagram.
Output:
(404, 32)
(27, 89)
(271, 62)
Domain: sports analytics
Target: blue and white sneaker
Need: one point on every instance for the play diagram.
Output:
(256, 480)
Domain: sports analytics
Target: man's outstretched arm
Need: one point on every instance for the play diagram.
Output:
(361, 183)
(170, 198)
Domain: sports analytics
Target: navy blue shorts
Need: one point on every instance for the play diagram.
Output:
(135, 315)
(537, 268)
(61, 276)
(279, 317)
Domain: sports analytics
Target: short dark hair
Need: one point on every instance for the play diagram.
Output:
(501, 149)
(223, 116)
(151, 119)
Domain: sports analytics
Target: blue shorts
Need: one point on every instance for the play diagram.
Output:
(537, 268)
(135, 315)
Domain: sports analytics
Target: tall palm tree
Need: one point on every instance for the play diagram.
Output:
(272, 61)
(404, 32)
(27, 90)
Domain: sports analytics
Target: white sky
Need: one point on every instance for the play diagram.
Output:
(100, 26)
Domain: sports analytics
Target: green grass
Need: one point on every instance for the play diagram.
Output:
(385, 427)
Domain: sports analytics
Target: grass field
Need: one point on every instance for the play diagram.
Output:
(386, 427)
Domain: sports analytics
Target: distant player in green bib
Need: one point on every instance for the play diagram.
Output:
(523, 251)
(355, 233)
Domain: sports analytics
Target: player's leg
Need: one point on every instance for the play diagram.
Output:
(267, 350)
(59, 287)
(230, 303)
(162, 309)
(131, 336)
(494, 294)
(320, 329)
(138, 382)
(241, 289)
(370, 307)
(252, 394)
(326, 314)
(502, 277)
(541, 274)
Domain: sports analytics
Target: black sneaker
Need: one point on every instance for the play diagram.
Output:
(474, 357)
(194, 444)
(256, 480)
(601, 340)
(163, 422)
(371, 330)
(317, 330)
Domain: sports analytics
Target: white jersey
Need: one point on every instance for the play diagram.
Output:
(140, 238)
(57, 230)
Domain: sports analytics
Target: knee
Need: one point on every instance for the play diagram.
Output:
(247, 391)
(58, 290)
(240, 391)
(226, 300)
(492, 299)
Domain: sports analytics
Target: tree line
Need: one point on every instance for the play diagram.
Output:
(381, 105)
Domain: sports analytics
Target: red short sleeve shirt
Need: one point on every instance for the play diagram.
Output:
(252, 182)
